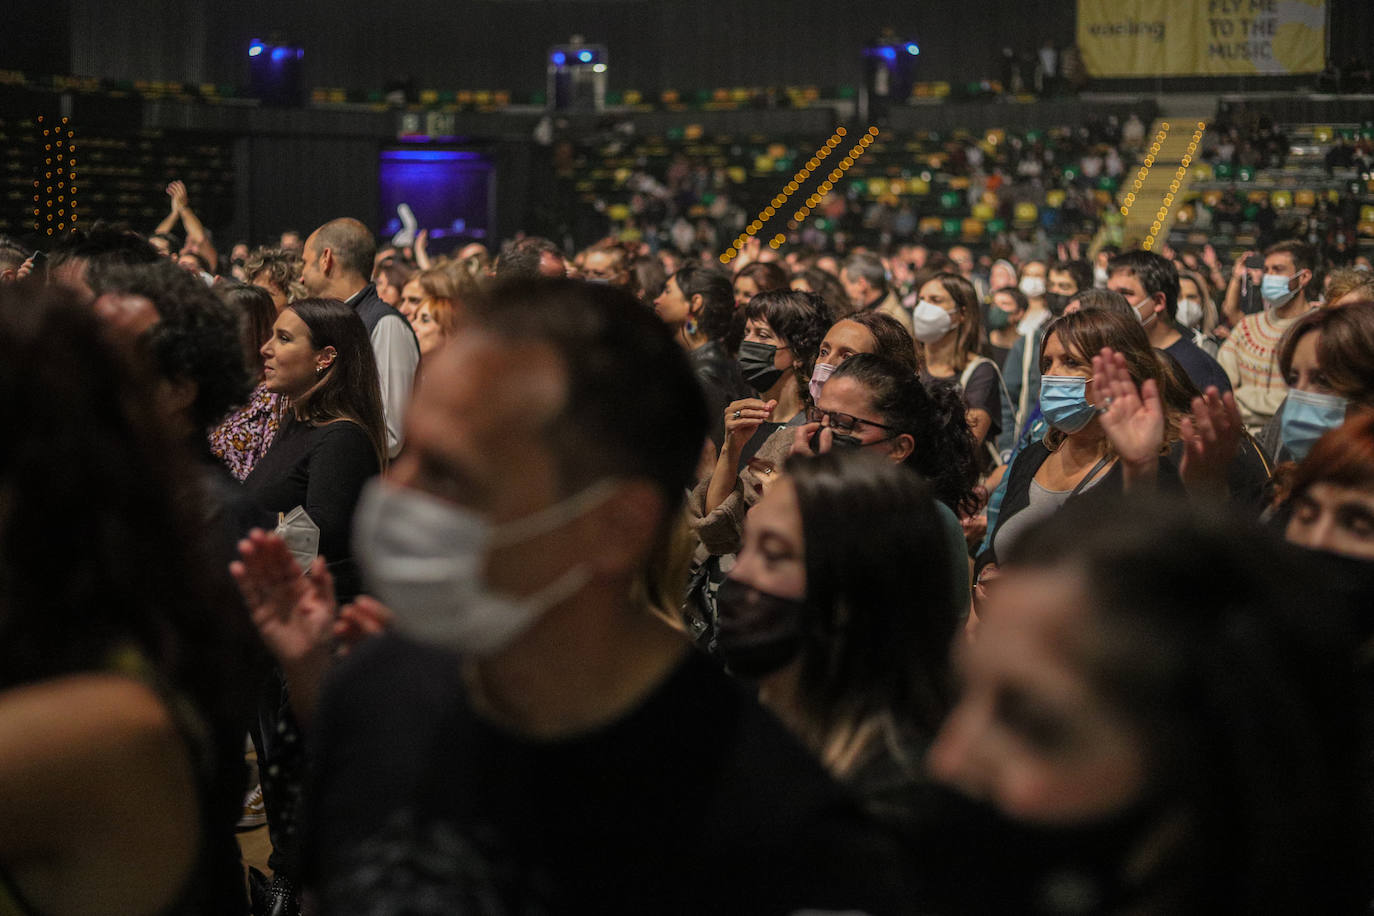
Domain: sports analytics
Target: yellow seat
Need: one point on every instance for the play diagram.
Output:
(1282, 200)
(1323, 134)
(1305, 198)
(984, 211)
(973, 229)
(1367, 213)
(930, 225)
(1026, 212)
(1054, 197)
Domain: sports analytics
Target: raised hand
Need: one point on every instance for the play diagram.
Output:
(1132, 417)
(1211, 437)
(177, 191)
(742, 418)
(294, 614)
(364, 618)
(1209, 256)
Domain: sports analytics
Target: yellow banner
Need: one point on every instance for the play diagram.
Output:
(1202, 37)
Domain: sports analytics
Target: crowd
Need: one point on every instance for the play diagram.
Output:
(906, 579)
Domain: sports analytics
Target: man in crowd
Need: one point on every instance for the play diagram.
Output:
(865, 281)
(1250, 355)
(548, 744)
(1150, 284)
(532, 256)
(337, 263)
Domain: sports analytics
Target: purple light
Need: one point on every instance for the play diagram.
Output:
(278, 54)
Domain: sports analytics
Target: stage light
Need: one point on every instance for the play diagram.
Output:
(559, 58)
(279, 54)
(584, 56)
(255, 48)
(887, 53)
(599, 68)
(913, 49)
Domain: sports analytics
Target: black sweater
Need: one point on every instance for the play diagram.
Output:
(323, 469)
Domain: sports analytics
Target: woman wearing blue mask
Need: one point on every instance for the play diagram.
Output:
(1109, 426)
(1327, 360)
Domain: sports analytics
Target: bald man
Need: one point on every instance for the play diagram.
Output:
(338, 261)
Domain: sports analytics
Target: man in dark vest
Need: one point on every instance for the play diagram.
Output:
(338, 260)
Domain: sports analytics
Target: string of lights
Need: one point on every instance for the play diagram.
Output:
(54, 194)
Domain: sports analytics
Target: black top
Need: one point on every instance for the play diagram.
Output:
(698, 801)
(1201, 368)
(371, 309)
(983, 392)
(721, 383)
(322, 468)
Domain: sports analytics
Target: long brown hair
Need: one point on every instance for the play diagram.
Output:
(349, 389)
(1086, 332)
(970, 336)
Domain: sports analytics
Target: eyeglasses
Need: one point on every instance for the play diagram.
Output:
(840, 422)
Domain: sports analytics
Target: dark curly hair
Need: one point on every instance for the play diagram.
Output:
(717, 299)
(103, 245)
(100, 548)
(933, 416)
(799, 318)
(197, 337)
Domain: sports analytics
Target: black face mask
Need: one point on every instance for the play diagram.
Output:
(757, 633)
(837, 440)
(987, 862)
(1056, 303)
(756, 365)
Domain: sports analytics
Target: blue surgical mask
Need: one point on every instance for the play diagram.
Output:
(1064, 402)
(1274, 290)
(1307, 415)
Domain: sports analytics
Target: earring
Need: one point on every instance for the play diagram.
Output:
(319, 370)
(690, 326)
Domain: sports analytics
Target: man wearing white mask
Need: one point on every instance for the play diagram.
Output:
(535, 737)
(1250, 354)
(1150, 284)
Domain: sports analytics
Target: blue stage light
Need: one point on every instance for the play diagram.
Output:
(888, 53)
(300, 54)
(913, 49)
(584, 56)
(279, 54)
(559, 58)
(254, 48)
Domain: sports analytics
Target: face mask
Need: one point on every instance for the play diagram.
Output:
(1145, 320)
(997, 318)
(1056, 303)
(1100, 277)
(1189, 313)
(1274, 290)
(423, 558)
(1033, 287)
(756, 365)
(819, 375)
(758, 633)
(1306, 417)
(929, 322)
(1041, 868)
(1064, 402)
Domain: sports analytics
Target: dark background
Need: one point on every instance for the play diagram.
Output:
(501, 44)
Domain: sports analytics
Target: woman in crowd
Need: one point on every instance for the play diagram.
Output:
(1005, 311)
(1196, 311)
(1091, 443)
(121, 737)
(849, 648)
(1152, 721)
(435, 321)
(390, 278)
(435, 283)
(783, 331)
(319, 357)
(245, 434)
(948, 327)
(862, 332)
(827, 286)
(758, 277)
(697, 304)
(1327, 359)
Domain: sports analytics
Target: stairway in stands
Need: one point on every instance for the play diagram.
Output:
(1152, 193)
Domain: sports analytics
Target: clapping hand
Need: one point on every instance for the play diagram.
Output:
(1211, 436)
(177, 191)
(295, 614)
(1132, 417)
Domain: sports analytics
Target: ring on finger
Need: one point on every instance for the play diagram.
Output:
(737, 414)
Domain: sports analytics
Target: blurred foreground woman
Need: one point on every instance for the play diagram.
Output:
(120, 757)
(1153, 720)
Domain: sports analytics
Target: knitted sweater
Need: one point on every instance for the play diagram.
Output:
(1250, 358)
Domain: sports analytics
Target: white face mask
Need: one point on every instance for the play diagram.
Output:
(423, 558)
(929, 322)
(1033, 287)
(1189, 313)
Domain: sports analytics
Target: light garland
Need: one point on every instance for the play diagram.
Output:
(55, 192)
(1161, 216)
